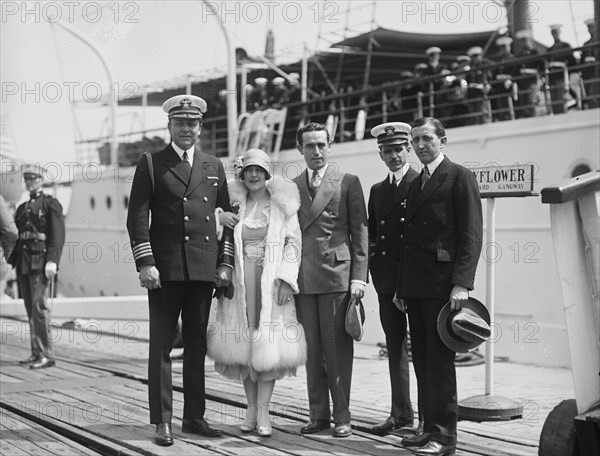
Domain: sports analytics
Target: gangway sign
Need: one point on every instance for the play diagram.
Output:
(505, 181)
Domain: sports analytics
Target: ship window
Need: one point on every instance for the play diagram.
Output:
(108, 202)
(92, 202)
(580, 169)
(126, 202)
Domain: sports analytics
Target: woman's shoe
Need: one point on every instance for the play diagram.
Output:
(264, 431)
(248, 425)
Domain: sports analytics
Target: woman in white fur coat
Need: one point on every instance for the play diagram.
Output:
(255, 336)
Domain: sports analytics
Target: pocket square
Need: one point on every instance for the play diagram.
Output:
(213, 177)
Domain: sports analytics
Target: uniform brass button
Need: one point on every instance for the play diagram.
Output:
(206, 238)
(187, 238)
(401, 236)
(382, 222)
(402, 220)
(207, 218)
(184, 199)
(424, 223)
(383, 253)
(186, 218)
(205, 199)
(382, 237)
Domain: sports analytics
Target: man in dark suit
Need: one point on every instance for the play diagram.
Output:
(177, 259)
(387, 215)
(333, 220)
(36, 255)
(441, 246)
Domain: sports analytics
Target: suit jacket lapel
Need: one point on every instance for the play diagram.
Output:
(324, 194)
(305, 201)
(175, 165)
(418, 196)
(199, 172)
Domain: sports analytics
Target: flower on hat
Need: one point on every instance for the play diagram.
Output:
(238, 165)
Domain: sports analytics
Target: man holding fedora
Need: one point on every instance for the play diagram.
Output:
(387, 215)
(439, 254)
(177, 258)
(36, 255)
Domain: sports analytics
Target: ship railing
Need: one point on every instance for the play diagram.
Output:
(543, 84)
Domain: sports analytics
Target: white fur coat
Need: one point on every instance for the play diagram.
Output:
(278, 342)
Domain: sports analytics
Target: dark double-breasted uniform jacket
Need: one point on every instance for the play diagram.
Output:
(41, 226)
(387, 218)
(443, 235)
(171, 224)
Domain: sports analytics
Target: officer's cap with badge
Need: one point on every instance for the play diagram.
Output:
(391, 133)
(184, 107)
(32, 171)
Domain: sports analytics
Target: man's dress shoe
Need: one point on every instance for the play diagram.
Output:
(416, 441)
(434, 448)
(32, 359)
(42, 363)
(314, 426)
(391, 424)
(163, 435)
(342, 430)
(199, 426)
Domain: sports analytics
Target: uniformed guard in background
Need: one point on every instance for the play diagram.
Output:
(177, 256)
(36, 255)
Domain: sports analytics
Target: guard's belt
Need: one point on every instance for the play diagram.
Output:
(27, 235)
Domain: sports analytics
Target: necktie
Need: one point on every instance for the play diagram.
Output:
(425, 176)
(394, 182)
(187, 167)
(316, 179)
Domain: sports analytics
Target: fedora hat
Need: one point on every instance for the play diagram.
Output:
(465, 329)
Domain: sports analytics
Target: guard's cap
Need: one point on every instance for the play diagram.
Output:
(524, 34)
(556, 27)
(433, 50)
(475, 50)
(33, 169)
(504, 41)
(405, 74)
(295, 76)
(589, 21)
(278, 80)
(257, 157)
(463, 59)
(391, 133)
(420, 66)
(184, 107)
(260, 81)
(465, 329)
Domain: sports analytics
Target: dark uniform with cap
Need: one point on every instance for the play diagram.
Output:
(178, 251)
(35, 257)
(387, 216)
(558, 80)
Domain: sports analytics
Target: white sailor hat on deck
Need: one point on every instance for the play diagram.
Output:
(420, 66)
(32, 169)
(475, 50)
(391, 133)
(524, 33)
(184, 107)
(433, 50)
(260, 81)
(463, 58)
(278, 80)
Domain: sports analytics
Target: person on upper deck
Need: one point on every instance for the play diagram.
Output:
(589, 57)
(559, 79)
(503, 90)
(529, 76)
(478, 87)
(432, 87)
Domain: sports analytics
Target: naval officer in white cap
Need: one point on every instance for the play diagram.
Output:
(177, 256)
(387, 213)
